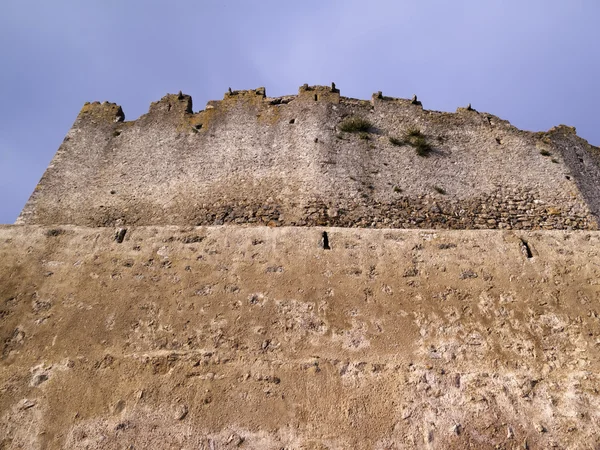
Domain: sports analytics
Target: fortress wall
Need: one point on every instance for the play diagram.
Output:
(257, 160)
(580, 158)
(232, 337)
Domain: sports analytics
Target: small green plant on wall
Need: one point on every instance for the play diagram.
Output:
(416, 139)
(395, 141)
(355, 124)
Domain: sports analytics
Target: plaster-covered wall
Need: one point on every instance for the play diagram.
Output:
(258, 338)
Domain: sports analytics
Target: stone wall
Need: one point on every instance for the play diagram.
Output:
(259, 338)
(285, 161)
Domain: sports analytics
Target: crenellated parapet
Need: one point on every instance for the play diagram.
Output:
(378, 99)
(178, 105)
(259, 93)
(103, 112)
(172, 104)
(328, 94)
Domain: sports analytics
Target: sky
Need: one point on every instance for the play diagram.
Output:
(535, 63)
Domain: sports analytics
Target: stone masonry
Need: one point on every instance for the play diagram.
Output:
(308, 272)
(251, 159)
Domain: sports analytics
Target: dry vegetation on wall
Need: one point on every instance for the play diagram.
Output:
(355, 124)
(418, 141)
(414, 138)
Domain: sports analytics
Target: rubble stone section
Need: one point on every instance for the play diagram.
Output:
(252, 159)
(265, 338)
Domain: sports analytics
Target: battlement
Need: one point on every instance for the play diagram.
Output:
(105, 111)
(259, 93)
(319, 93)
(181, 104)
(297, 160)
(172, 103)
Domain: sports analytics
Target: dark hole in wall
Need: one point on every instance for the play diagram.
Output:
(198, 126)
(292, 120)
(54, 232)
(316, 97)
(120, 235)
(526, 249)
(325, 241)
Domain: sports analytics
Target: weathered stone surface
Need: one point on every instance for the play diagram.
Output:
(129, 320)
(250, 159)
(257, 337)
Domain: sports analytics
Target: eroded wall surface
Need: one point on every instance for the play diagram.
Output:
(232, 337)
(251, 159)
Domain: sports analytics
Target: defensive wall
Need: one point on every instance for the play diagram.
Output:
(251, 159)
(207, 280)
(259, 338)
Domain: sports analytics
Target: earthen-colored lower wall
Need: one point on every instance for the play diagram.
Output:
(231, 337)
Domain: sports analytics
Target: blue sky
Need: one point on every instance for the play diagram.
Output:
(533, 62)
